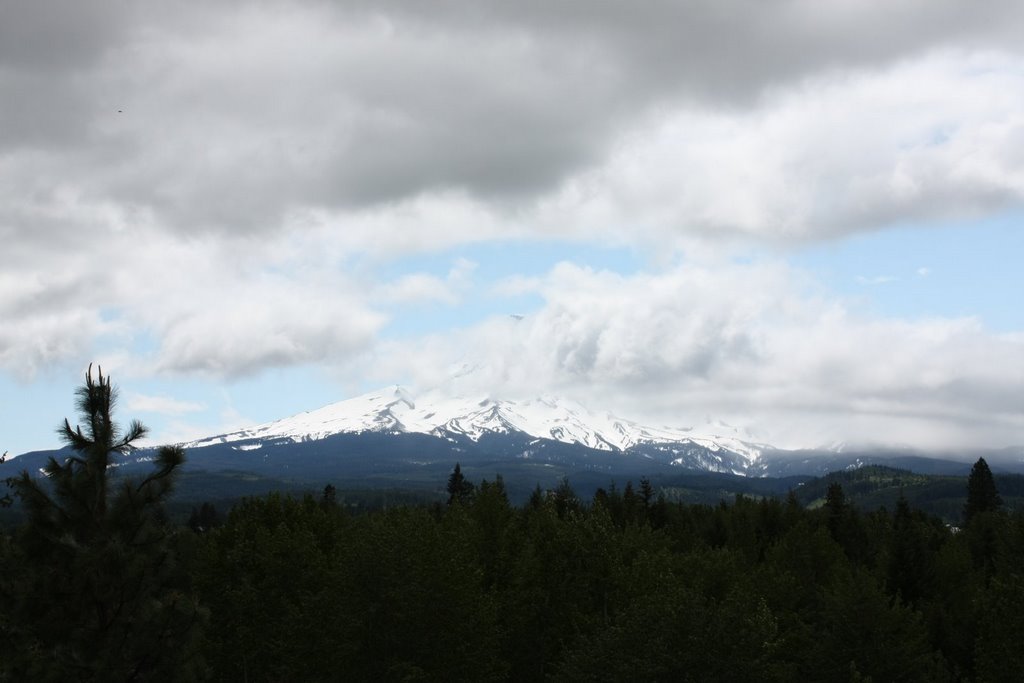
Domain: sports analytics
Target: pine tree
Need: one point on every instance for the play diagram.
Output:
(984, 528)
(329, 499)
(982, 495)
(537, 498)
(204, 518)
(910, 562)
(6, 500)
(565, 498)
(646, 492)
(835, 509)
(99, 594)
(630, 504)
(459, 489)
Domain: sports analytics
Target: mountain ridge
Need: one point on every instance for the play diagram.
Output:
(557, 419)
(390, 439)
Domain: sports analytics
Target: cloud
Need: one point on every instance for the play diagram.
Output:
(163, 305)
(418, 288)
(726, 51)
(755, 345)
(197, 189)
(924, 141)
(776, 119)
(423, 287)
(164, 405)
(33, 342)
(241, 325)
(228, 121)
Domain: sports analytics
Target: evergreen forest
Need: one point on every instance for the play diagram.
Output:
(99, 584)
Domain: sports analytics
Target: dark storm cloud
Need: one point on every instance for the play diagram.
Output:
(49, 51)
(233, 114)
(57, 35)
(732, 49)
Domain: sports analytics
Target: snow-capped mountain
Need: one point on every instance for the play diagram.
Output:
(396, 411)
(392, 440)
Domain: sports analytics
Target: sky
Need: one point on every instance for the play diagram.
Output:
(801, 218)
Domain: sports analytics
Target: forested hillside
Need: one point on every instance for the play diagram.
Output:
(873, 486)
(624, 586)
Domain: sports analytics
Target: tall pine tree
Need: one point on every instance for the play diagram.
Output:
(982, 495)
(460, 489)
(96, 591)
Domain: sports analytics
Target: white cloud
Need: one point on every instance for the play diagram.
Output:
(164, 405)
(206, 306)
(212, 188)
(131, 233)
(753, 345)
(418, 288)
(926, 140)
(423, 288)
(267, 321)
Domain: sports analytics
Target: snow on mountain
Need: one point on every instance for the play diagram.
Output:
(395, 410)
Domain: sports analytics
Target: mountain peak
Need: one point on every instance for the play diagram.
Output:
(402, 395)
(557, 419)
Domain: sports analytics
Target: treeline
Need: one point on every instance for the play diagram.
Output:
(874, 486)
(622, 587)
(97, 585)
